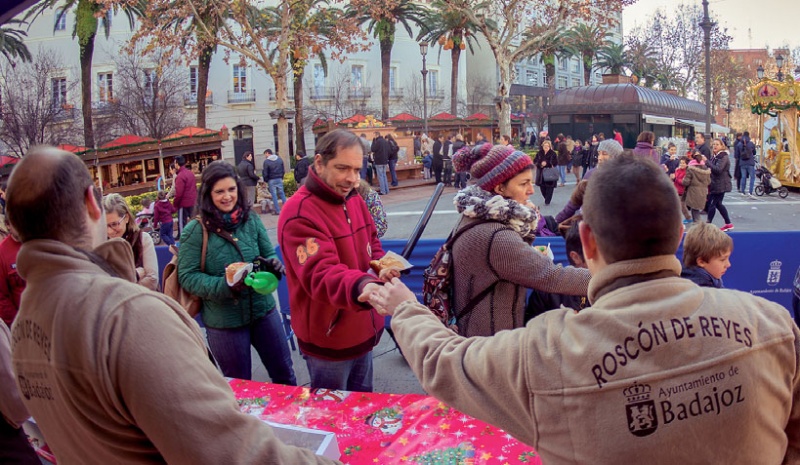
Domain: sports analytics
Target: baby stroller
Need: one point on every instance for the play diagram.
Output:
(145, 223)
(769, 183)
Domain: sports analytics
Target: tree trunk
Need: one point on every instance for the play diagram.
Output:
(386, 60)
(503, 107)
(299, 127)
(455, 55)
(86, 54)
(203, 67)
(587, 69)
(283, 123)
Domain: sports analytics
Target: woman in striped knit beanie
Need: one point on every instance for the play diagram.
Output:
(493, 261)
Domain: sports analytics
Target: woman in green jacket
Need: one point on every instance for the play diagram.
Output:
(235, 316)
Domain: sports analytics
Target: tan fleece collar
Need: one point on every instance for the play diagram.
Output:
(629, 272)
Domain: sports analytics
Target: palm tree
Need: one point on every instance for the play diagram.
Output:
(12, 45)
(382, 23)
(549, 48)
(586, 40)
(453, 31)
(641, 59)
(86, 24)
(612, 57)
(211, 17)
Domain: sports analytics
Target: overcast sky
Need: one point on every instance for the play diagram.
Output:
(751, 23)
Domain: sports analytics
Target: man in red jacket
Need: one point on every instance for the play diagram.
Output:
(11, 284)
(328, 238)
(185, 192)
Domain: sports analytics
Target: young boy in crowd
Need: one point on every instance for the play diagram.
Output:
(162, 214)
(427, 163)
(540, 301)
(706, 255)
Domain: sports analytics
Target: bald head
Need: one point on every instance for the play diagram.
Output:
(46, 197)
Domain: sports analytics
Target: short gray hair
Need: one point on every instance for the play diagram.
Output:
(610, 146)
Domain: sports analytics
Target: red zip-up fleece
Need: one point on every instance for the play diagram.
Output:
(327, 242)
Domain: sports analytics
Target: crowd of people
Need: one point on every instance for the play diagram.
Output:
(97, 349)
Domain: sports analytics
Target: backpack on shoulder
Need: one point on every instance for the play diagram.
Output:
(747, 151)
(172, 288)
(437, 283)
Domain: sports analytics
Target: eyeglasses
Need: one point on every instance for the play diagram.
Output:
(116, 224)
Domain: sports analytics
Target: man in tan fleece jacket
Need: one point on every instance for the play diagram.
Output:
(657, 371)
(113, 373)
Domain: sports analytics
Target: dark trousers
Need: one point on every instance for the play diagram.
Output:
(460, 180)
(14, 446)
(165, 232)
(447, 172)
(547, 192)
(393, 171)
(231, 348)
(437, 172)
(184, 217)
(715, 203)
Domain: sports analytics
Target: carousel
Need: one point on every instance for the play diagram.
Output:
(776, 103)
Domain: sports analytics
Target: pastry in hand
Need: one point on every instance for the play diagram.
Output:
(232, 269)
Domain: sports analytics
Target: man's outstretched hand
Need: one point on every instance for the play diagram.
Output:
(386, 298)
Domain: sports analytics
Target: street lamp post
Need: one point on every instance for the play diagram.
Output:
(423, 50)
(707, 25)
(779, 62)
(728, 110)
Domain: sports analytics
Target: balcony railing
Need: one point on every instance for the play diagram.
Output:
(247, 96)
(359, 92)
(104, 107)
(65, 114)
(321, 93)
(396, 93)
(289, 94)
(190, 99)
(436, 93)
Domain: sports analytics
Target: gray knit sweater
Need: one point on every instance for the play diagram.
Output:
(492, 254)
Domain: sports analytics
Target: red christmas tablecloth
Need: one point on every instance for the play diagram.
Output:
(385, 428)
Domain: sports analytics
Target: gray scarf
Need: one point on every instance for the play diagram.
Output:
(474, 202)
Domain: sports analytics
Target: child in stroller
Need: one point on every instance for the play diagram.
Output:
(769, 183)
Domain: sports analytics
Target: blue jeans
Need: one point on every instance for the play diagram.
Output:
(392, 164)
(747, 170)
(275, 188)
(562, 172)
(231, 348)
(383, 183)
(165, 231)
(348, 375)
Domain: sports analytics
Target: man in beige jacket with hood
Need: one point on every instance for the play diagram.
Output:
(112, 372)
(657, 371)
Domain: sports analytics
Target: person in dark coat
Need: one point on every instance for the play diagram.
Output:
(394, 151)
(459, 179)
(720, 166)
(546, 158)
(447, 161)
(590, 156)
(737, 149)
(380, 155)
(247, 173)
(578, 152)
(564, 157)
(438, 162)
(702, 145)
(300, 168)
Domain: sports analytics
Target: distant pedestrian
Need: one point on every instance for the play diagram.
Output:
(185, 187)
(247, 172)
(300, 168)
(696, 181)
(394, 151)
(644, 147)
(737, 150)
(618, 137)
(720, 166)
(380, 156)
(578, 152)
(546, 158)
(747, 163)
(272, 172)
(564, 158)
(162, 216)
